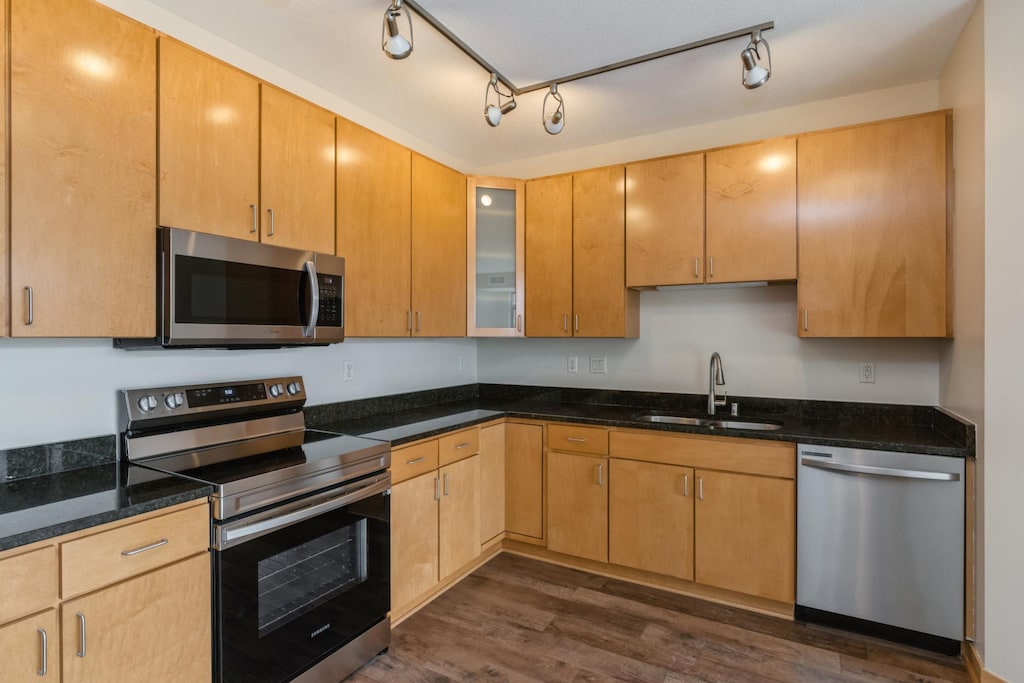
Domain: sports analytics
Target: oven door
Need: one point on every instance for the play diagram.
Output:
(294, 584)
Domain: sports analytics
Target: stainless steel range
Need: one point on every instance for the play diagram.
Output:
(300, 524)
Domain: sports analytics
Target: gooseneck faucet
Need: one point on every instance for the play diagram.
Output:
(716, 377)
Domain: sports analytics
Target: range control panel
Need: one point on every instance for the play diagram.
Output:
(200, 399)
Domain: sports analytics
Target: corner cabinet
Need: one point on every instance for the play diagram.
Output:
(83, 169)
(494, 256)
(873, 229)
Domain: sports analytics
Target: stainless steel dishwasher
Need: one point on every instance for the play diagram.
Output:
(880, 544)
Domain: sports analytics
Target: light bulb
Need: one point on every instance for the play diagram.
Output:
(553, 124)
(485, 200)
(493, 115)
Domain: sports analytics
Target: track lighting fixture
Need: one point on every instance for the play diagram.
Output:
(394, 44)
(754, 73)
(555, 121)
(494, 112)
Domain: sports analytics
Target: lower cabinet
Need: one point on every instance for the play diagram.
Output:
(30, 649)
(492, 482)
(458, 527)
(414, 539)
(524, 479)
(154, 627)
(578, 505)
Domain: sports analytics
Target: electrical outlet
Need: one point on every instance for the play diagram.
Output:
(599, 365)
(573, 364)
(462, 363)
(348, 369)
(867, 372)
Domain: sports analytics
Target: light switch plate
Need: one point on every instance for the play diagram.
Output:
(599, 365)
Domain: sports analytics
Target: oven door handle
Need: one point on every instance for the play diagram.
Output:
(231, 535)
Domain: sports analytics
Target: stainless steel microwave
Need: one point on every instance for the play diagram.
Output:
(222, 292)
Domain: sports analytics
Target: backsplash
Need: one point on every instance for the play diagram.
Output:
(34, 461)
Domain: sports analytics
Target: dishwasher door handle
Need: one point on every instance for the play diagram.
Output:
(881, 471)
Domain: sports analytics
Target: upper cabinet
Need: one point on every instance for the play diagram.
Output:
(83, 168)
(495, 252)
(602, 306)
(873, 222)
(209, 139)
(549, 257)
(296, 172)
(665, 221)
(751, 212)
(5, 299)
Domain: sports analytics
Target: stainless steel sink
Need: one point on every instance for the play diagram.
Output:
(709, 422)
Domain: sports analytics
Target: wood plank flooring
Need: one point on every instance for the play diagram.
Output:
(519, 619)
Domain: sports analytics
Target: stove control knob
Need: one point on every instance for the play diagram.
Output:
(276, 390)
(173, 401)
(294, 388)
(147, 403)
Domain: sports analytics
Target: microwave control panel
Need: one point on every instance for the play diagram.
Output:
(331, 293)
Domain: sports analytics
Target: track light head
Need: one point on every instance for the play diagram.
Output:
(394, 44)
(755, 74)
(555, 121)
(494, 112)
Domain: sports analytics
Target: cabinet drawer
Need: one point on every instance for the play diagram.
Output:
(767, 458)
(413, 461)
(577, 438)
(124, 551)
(452, 447)
(29, 583)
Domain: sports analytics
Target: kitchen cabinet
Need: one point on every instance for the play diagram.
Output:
(495, 252)
(665, 221)
(524, 480)
(744, 536)
(105, 636)
(209, 144)
(548, 247)
(577, 491)
(5, 295)
(296, 172)
(650, 517)
(30, 649)
(82, 171)
(492, 482)
(459, 515)
(438, 250)
(414, 539)
(751, 212)
(872, 202)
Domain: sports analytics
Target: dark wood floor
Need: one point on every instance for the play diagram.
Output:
(518, 619)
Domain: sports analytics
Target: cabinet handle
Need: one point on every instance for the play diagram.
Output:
(686, 486)
(696, 267)
(519, 323)
(255, 219)
(577, 322)
(711, 266)
(447, 484)
(408, 321)
(418, 320)
(81, 634)
(42, 643)
(565, 322)
(576, 439)
(462, 445)
(805, 320)
(151, 546)
(437, 489)
(600, 474)
(271, 212)
(29, 306)
(700, 488)
(414, 462)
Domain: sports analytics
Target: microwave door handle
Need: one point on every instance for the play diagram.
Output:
(314, 304)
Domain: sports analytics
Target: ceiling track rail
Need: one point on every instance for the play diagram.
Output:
(519, 90)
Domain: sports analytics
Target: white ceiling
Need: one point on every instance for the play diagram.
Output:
(820, 49)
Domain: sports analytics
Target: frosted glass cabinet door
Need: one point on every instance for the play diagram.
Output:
(495, 257)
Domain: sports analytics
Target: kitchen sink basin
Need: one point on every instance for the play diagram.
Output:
(709, 422)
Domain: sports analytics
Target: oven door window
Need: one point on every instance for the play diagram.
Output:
(292, 597)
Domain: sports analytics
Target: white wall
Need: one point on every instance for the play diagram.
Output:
(962, 366)
(56, 389)
(1004, 329)
(753, 328)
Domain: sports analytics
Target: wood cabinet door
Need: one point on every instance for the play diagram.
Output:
(155, 627)
(577, 497)
(665, 222)
(751, 212)
(492, 482)
(414, 540)
(5, 299)
(83, 171)
(438, 250)
(524, 479)
(873, 222)
(209, 137)
(374, 181)
(602, 306)
(459, 526)
(650, 517)
(296, 172)
(745, 534)
(25, 660)
(549, 257)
